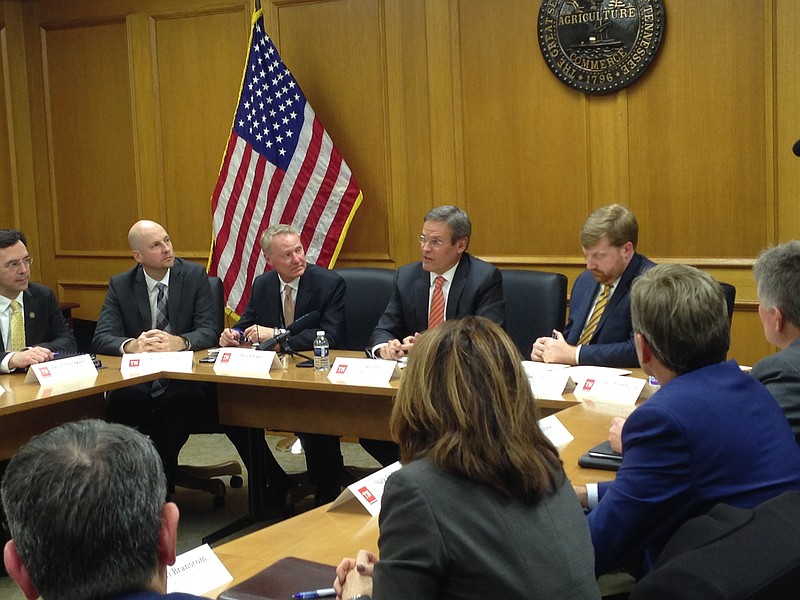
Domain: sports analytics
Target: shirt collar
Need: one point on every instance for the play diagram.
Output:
(151, 283)
(448, 275)
(5, 303)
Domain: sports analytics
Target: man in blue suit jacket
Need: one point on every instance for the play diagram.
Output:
(46, 331)
(471, 287)
(608, 237)
(311, 288)
(710, 434)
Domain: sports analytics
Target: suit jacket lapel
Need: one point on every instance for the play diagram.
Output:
(304, 293)
(142, 299)
(31, 310)
(421, 297)
(175, 295)
(457, 287)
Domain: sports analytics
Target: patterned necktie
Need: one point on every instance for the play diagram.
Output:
(594, 319)
(288, 306)
(162, 312)
(436, 314)
(17, 327)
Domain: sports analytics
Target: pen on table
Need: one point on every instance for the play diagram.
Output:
(323, 593)
(240, 332)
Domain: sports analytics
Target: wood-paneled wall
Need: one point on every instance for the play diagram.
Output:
(116, 110)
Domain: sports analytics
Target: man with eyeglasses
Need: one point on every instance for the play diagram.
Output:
(446, 284)
(33, 327)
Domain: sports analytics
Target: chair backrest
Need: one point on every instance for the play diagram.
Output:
(730, 298)
(368, 292)
(218, 300)
(731, 554)
(536, 303)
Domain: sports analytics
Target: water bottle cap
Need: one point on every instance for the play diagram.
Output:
(320, 332)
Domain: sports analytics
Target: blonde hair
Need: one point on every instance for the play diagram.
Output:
(271, 232)
(615, 221)
(465, 403)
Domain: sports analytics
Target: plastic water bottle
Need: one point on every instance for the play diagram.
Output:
(322, 361)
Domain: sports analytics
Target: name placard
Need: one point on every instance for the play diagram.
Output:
(617, 390)
(66, 369)
(555, 431)
(197, 571)
(368, 491)
(246, 361)
(142, 363)
(547, 381)
(363, 371)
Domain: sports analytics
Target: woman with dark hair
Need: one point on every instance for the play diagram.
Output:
(482, 507)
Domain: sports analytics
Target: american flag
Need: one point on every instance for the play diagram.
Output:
(280, 166)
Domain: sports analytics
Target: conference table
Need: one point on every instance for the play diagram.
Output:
(294, 399)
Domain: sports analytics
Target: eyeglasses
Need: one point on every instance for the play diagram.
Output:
(437, 243)
(14, 265)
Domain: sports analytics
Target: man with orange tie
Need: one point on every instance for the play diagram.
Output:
(32, 325)
(598, 330)
(446, 284)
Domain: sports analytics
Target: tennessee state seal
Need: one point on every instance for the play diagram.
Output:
(600, 46)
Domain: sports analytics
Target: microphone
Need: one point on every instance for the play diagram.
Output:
(305, 322)
(796, 148)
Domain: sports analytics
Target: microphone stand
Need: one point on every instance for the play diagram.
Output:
(286, 348)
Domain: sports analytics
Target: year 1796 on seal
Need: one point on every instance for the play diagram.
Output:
(600, 46)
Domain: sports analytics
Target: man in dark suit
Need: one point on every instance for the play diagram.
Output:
(41, 329)
(447, 283)
(710, 434)
(447, 276)
(163, 304)
(777, 273)
(598, 330)
(292, 289)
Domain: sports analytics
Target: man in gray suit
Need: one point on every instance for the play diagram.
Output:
(777, 274)
(163, 304)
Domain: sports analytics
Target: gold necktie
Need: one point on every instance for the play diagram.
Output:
(594, 319)
(17, 329)
(288, 306)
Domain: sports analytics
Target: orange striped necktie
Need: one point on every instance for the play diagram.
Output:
(594, 319)
(436, 314)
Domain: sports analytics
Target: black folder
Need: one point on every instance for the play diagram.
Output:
(601, 457)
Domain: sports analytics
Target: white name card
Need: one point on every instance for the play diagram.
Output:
(246, 361)
(363, 371)
(547, 381)
(196, 572)
(66, 369)
(555, 431)
(617, 390)
(368, 491)
(142, 363)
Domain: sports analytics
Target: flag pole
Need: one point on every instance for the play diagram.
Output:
(258, 4)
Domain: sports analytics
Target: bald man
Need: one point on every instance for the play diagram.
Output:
(163, 304)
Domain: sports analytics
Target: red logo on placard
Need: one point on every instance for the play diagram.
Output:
(341, 369)
(226, 357)
(588, 385)
(134, 362)
(364, 491)
(44, 372)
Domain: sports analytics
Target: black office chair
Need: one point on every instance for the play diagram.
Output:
(368, 292)
(205, 478)
(730, 298)
(731, 554)
(536, 303)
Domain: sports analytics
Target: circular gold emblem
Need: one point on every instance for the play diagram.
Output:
(599, 46)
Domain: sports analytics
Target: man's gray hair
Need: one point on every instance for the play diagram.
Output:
(681, 312)
(777, 274)
(456, 219)
(272, 231)
(84, 507)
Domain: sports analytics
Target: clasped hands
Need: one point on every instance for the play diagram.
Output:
(155, 340)
(354, 575)
(553, 349)
(254, 333)
(395, 349)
